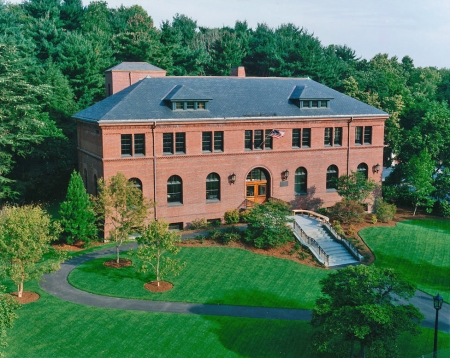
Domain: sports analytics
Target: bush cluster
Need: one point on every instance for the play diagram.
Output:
(384, 211)
(347, 212)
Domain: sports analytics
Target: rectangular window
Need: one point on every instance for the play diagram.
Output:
(189, 105)
(323, 104)
(258, 139)
(358, 135)
(306, 138)
(248, 140)
(125, 141)
(179, 105)
(367, 135)
(268, 140)
(167, 143)
(328, 137)
(314, 104)
(180, 143)
(201, 105)
(296, 135)
(139, 144)
(305, 104)
(337, 136)
(218, 141)
(207, 142)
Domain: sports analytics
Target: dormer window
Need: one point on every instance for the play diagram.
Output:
(182, 98)
(188, 106)
(309, 97)
(314, 104)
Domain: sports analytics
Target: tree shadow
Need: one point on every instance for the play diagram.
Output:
(243, 330)
(307, 201)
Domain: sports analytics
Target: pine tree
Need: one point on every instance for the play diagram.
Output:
(77, 214)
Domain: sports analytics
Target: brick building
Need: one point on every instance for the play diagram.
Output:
(199, 146)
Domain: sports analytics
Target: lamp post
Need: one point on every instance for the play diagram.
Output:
(437, 302)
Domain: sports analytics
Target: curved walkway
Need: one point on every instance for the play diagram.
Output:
(57, 285)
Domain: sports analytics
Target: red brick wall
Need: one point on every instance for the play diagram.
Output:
(118, 80)
(194, 166)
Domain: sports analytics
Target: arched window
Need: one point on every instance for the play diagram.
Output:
(96, 185)
(256, 175)
(332, 176)
(136, 183)
(174, 189)
(301, 176)
(213, 187)
(85, 174)
(364, 169)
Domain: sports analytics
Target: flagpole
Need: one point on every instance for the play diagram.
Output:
(264, 141)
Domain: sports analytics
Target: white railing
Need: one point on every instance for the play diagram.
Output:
(320, 254)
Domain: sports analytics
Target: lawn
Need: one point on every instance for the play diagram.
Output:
(51, 327)
(419, 249)
(216, 275)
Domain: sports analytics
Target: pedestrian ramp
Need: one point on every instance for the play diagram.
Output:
(329, 250)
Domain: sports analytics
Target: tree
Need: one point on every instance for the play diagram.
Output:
(25, 236)
(23, 124)
(355, 187)
(122, 207)
(77, 213)
(267, 224)
(7, 315)
(419, 177)
(361, 305)
(154, 243)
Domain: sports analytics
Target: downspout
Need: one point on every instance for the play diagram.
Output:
(348, 145)
(154, 170)
(129, 77)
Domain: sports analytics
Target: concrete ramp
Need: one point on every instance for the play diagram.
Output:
(338, 253)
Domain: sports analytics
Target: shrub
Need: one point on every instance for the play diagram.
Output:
(442, 207)
(322, 211)
(230, 236)
(374, 219)
(351, 230)
(337, 226)
(200, 223)
(347, 212)
(267, 225)
(243, 216)
(384, 211)
(232, 216)
(215, 235)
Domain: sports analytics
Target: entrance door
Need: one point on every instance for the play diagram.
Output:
(257, 186)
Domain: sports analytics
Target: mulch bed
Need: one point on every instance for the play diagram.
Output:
(122, 263)
(163, 286)
(78, 246)
(27, 297)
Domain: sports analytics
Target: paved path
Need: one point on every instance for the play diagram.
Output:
(57, 285)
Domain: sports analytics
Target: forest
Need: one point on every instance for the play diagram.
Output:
(53, 55)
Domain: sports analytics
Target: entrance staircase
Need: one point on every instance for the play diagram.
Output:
(327, 249)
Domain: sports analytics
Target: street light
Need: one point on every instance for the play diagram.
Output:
(437, 302)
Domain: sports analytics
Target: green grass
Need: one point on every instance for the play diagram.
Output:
(213, 275)
(51, 327)
(418, 249)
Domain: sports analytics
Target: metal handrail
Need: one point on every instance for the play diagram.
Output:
(312, 243)
(353, 250)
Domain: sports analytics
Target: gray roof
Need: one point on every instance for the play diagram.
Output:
(134, 66)
(230, 97)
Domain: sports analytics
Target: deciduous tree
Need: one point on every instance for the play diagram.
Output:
(7, 315)
(156, 246)
(122, 207)
(355, 187)
(25, 236)
(361, 306)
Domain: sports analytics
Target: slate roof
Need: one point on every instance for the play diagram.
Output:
(134, 66)
(231, 98)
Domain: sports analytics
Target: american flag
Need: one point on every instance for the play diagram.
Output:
(276, 133)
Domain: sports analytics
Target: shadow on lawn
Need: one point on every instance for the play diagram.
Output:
(256, 337)
(437, 277)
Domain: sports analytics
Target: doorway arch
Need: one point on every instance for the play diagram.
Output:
(257, 185)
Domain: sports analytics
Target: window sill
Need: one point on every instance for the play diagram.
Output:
(332, 190)
(175, 204)
(212, 201)
(301, 194)
(126, 155)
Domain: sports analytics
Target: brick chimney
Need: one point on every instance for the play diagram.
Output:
(237, 71)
